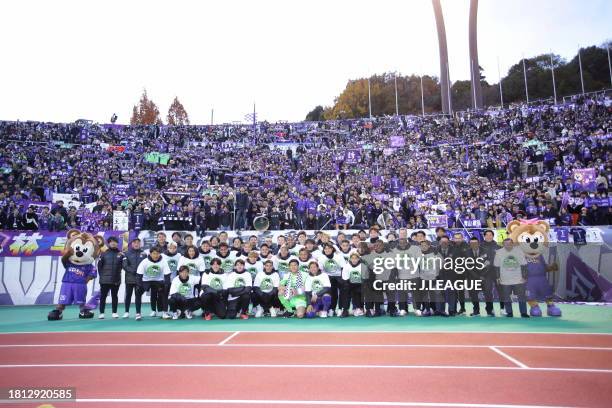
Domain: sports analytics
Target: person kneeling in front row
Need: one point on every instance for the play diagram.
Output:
(182, 294)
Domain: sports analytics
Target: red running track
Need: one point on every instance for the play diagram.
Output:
(313, 369)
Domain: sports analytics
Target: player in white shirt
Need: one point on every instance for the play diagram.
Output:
(207, 253)
(153, 274)
(193, 261)
(292, 246)
(238, 285)
(253, 264)
(265, 291)
(281, 261)
(227, 257)
(318, 288)
(183, 299)
(331, 262)
(212, 295)
(346, 250)
(304, 259)
(172, 256)
(352, 275)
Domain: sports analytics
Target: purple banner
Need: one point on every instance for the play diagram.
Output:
(38, 205)
(468, 223)
(434, 221)
(352, 156)
(46, 243)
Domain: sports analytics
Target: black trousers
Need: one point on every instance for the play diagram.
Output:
(240, 304)
(489, 283)
(129, 290)
(487, 289)
(339, 292)
(355, 296)
(157, 289)
(372, 298)
(214, 303)
(180, 302)
(114, 291)
(418, 296)
(163, 307)
(265, 300)
(455, 296)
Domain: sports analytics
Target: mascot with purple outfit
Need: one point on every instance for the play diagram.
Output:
(532, 238)
(78, 259)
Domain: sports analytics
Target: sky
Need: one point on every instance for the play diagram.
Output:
(68, 60)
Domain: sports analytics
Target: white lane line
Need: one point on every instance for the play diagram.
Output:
(307, 366)
(228, 338)
(289, 345)
(509, 358)
(300, 402)
(8, 333)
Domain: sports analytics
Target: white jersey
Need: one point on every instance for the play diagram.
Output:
(214, 280)
(295, 251)
(317, 283)
(347, 255)
(208, 257)
(317, 252)
(266, 282)
(227, 263)
(253, 268)
(303, 265)
(352, 273)
(332, 266)
(282, 264)
(185, 289)
(172, 261)
(195, 265)
(153, 271)
(238, 280)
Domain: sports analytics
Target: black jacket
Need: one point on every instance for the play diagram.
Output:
(490, 249)
(130, 263)
(109, 267)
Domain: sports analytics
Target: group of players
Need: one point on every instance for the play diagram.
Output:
(298, 276)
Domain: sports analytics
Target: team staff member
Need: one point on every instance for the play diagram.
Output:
(476, 258)
(490, 247)
(446, 274)
(131, 260)
(109, 270)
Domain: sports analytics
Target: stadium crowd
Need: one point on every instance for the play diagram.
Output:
(480, 169)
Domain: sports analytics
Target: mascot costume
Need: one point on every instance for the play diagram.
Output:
(532, 237)
(78, 258)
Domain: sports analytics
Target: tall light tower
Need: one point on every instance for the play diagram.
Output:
(474, 67)
(443, 50)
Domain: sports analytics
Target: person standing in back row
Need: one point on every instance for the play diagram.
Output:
(109, 270)
(132, 258)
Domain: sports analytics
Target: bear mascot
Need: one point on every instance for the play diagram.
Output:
(78, 258)
(532, 238)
